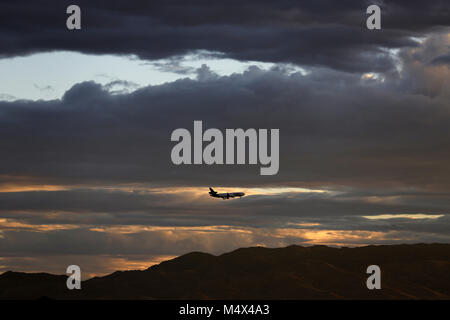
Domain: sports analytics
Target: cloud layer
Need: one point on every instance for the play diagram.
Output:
(320, 33)
(335, 129)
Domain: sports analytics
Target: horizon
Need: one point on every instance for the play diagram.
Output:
(143, 268)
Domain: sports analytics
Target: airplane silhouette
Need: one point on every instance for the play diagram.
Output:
(225, 196)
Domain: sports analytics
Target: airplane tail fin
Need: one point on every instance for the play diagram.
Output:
(211, 191)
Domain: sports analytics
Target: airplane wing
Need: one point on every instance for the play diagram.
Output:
(236, 194)
(226, 195)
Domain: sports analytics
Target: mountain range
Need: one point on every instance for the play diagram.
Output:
(417, 271)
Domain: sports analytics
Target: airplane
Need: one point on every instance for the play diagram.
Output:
(225, 196)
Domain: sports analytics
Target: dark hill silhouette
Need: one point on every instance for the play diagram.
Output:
(420, 271)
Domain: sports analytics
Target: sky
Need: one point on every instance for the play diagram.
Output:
(86, 117)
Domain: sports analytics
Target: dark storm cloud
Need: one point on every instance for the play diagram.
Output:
(320, 33)
(336, 130)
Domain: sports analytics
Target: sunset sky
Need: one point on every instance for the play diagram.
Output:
(86, 116)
